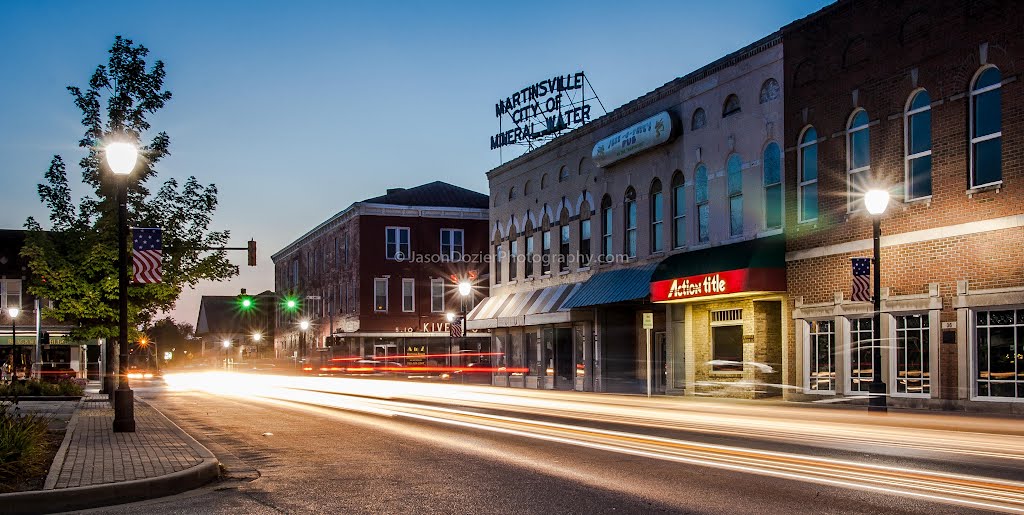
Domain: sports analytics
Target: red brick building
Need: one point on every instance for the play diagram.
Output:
(376, 278)
(924, 99)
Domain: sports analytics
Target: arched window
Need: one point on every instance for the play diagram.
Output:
(734, 169)
(858, 159)
(657, 217)
(700, 195)
(986, 128)
(770, 90)
(917, 122)
(543, 181)
(678, 210)
(563, 240)
(545, 243)
(731, 105)
(530, 246)
(563, 174)
(629, 203)
(807, 195)
(699, 119)
(772, 164)
(584, 248)
(527, 188)
(512, 193)
(606, 228)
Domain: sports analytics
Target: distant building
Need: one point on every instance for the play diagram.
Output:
(249, 330)
(59, 352)
(379, 277)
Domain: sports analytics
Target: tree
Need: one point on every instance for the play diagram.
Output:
(168, 334)
(74, 262)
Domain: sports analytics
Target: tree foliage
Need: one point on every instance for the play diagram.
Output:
(74, 260)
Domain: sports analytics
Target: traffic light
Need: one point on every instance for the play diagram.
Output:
(290, 304)
(252, 252)
(245, 301)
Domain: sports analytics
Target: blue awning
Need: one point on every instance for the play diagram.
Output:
(613, 286)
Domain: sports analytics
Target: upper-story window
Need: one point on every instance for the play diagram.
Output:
(563, 174)
(513, 256)
(918, 124)
(10, 294)
(337, 254)
(731, 105)
(408, 295)
(563, 240)
(772, 164)
(545, 252)
(380, 294)
(858, 159)
(512, 193)
(530, 247)
(734, 184)
(396, 243)
(807, 194)
(452, 244)
(699, 119)
(527, 188)
(657, 217)
(986, 128)
(436, 295)
(584, 250)
(499, 260)
(606, 227)
(770, 90)
(543, 181)
(630, 211)
(700, 196)
(678, 210)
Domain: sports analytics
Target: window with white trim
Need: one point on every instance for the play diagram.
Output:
(657, 217)
(821, 372)
(858, 160)
(986, 128)
(917, 123)
(452, 244)
(913, 355)
(630, 219)
(545, 251)
(513, 258)
(999, 358)
(437, 295)
(807, 196)
(606, 228)
(10, 294)
(772, 171)
(678, 210)
(396, 243)
(380, 294)
(734, 184)
(408, 295)
(499, 262)
(700, 194)
(862, 361)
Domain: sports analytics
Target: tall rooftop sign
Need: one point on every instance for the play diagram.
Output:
(541, 111)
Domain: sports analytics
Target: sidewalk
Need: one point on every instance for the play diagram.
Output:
(98, 467)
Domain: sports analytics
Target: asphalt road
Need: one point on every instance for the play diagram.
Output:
(284, 456)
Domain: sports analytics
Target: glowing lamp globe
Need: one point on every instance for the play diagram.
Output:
(304, 325)
(450, 317)
(876, 201)
(121, 157)
(464, 288)
(13, 312)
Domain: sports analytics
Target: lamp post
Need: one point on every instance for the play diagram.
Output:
(304, 326)
(227, 349)
(121, 158)
(465, 288)
(256, 337)
(876, 201)
(13, 312)
(451, 320)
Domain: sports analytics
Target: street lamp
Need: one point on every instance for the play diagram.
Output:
(465, 288)
(256, 337)
(451, 320)
(876, 201)
(304, 326)
(121, 159)
(227, 349)
(13, 312)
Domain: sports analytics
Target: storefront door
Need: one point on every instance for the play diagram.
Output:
(659, 362)
(564, 377)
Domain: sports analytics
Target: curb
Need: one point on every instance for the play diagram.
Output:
(62, 451)
(53, 500)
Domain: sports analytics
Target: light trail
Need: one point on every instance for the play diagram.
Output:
(386, 398)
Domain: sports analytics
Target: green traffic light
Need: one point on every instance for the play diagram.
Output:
(246, 303)
(291, 304)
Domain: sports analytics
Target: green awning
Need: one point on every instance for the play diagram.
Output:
(613, 286)
(769, 252)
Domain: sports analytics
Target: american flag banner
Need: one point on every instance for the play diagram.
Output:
(861, 280)
(147, 254)
(455, 328)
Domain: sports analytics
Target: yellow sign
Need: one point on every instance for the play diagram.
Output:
(648, 320)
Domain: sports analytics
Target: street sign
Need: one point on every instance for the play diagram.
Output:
(648, 320)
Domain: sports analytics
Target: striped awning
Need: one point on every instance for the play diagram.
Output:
(540, 306)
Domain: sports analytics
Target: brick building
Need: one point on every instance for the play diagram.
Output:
(376, 279)
(702, 194)
(923, 99)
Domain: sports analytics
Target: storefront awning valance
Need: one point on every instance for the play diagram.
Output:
(515, 309)
(749, 266)
(613, 286)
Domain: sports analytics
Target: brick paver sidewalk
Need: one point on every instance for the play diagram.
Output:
(97, 455)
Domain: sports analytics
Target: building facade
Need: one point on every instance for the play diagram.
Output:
(922, 99)
(379, 278)
(249, 330)
(651, 196)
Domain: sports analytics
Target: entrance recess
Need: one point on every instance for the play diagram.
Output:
(564, 377)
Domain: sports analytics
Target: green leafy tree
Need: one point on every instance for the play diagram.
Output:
(74, 260)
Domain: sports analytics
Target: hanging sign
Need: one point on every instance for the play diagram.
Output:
(636, 138)
(719, 283)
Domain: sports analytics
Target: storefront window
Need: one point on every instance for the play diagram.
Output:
(1000, 353)
(862, 367)
(822, 361)
(912, 356)
(727, 348)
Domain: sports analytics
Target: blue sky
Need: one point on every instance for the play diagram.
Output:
(297, 109)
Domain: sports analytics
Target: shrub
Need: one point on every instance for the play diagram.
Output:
(35, 388)
(23, 446)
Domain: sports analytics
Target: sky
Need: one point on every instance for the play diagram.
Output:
(297, 109)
